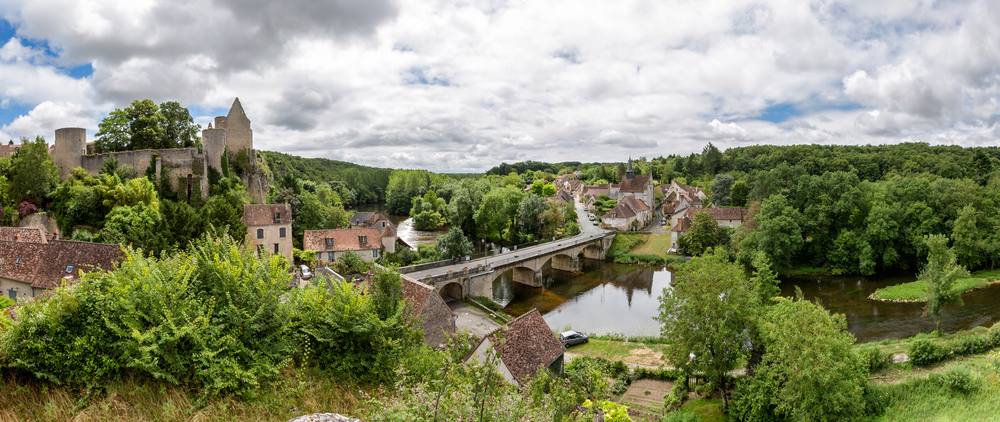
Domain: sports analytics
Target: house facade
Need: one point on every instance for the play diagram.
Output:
(332, 244)
(269, 228)
(378, 221)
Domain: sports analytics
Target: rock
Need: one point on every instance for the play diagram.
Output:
(900, 358)
(324, 417)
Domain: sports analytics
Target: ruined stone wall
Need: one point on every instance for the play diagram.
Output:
(138, 160)
(239, 136)
(184, 166)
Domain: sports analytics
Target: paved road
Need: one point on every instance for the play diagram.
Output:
(471, 319)
(587, 229)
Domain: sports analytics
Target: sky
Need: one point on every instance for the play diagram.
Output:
(461, 86)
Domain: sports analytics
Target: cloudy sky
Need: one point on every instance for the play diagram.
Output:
(456, 85)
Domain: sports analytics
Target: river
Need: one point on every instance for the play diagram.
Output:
(619, 298)
(404, 226)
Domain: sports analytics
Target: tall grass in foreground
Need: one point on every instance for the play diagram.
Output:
(299, 392)
(936, 397)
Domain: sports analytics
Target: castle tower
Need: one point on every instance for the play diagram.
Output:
(70, 145)
(239, 136)
(213, 143)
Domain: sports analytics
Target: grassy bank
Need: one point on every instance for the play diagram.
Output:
(642, 248)
(916, 291)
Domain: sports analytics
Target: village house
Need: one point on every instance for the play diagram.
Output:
(9, 149)
(31, 265)
(528, 345)
(630, 214)
(378, 221)
(269, 228)
(724, 217)
(331, 244)
(31, 234)
(438, 321)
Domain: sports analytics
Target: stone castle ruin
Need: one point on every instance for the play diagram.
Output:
(186, 168)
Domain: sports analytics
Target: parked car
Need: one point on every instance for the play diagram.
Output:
(306, 274)
(571, 338)
(663, 221)
(595, 222)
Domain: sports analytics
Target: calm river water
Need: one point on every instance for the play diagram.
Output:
(608, 297)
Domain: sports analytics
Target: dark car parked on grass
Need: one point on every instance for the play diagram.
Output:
(570, 338)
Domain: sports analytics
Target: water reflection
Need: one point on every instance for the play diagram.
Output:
(608, 297)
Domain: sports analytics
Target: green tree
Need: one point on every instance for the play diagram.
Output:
(179, 129)
(549, 190)
(704, 233)
(529, 215)
(808, 372)
(497, 213)
(113, 133)
(145, 125)
(974, 237)
(940, 272)
(513, 179)
(778, 234)
(136, 225)
(551, 220)
(537, 187)
(711, 159)
(454, 244)
(33, 174)
(722, 189)
(740, 193)
(705, 314)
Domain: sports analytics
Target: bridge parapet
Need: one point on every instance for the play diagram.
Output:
(452, 275)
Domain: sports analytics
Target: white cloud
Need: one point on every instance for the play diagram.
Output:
(461, 86)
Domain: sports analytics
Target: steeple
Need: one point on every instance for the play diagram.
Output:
(628, 171)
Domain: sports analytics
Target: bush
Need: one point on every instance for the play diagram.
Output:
(874, 359)
(957, 379)
(993, 337)
(968, 345)
(681, 416)
(208, 318)
(5, 302)
(923, 352)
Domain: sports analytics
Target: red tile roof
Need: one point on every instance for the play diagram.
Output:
(44, 265)
(637, 184)
(33, 234)
(728, 213)
(528, 345)
(622, 210)
(343, 240)
(263, 214)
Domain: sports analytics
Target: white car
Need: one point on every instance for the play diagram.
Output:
(306, 274)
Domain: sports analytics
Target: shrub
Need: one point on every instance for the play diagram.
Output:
(874, 358)
(681, 416)
(208, 318)
(620, 387)
(957, 379)
(993, 337)
(969, 345)
(923, 352)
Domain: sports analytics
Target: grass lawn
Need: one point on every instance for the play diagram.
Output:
(917, 290)
(631, 352)
(987, 274)
(656, 244)
(708, 410)
(926, 398)
(903, 345)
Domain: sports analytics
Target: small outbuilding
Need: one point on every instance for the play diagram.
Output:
(522, 347)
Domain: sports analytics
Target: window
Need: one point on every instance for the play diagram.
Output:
(260, 233)
(275, 248)
(329, 256)
(281, 232)
(69, 268)
(329, 242)
(277, 217)
(18, 260)
(362, 239)
(11, 293)
(375, 253)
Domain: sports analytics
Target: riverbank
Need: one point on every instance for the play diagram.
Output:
(916, 291)
(642, 249)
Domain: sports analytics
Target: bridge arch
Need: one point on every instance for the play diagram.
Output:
(565, 262)
(453, 290)
(528, 276)
(592, 251)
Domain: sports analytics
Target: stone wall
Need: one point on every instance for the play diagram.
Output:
(70, 146)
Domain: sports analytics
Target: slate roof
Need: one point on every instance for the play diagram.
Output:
(343, 240)
(359, 218)
(44, 265)
(263, 214)
(528, 345)
(637, 184)
(33, 234)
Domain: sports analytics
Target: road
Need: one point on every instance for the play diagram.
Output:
(587, 230)
(471, 319)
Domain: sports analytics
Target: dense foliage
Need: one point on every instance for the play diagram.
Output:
(144, 125)
(354, 183)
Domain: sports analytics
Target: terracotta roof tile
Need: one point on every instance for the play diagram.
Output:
(33, 234)
(44, 265)
(637, 184)
(528, 345)
(728, 213)
(264, 214)
(343, 240)
(622, 210)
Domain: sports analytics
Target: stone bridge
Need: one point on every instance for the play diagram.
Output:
(475, 278)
